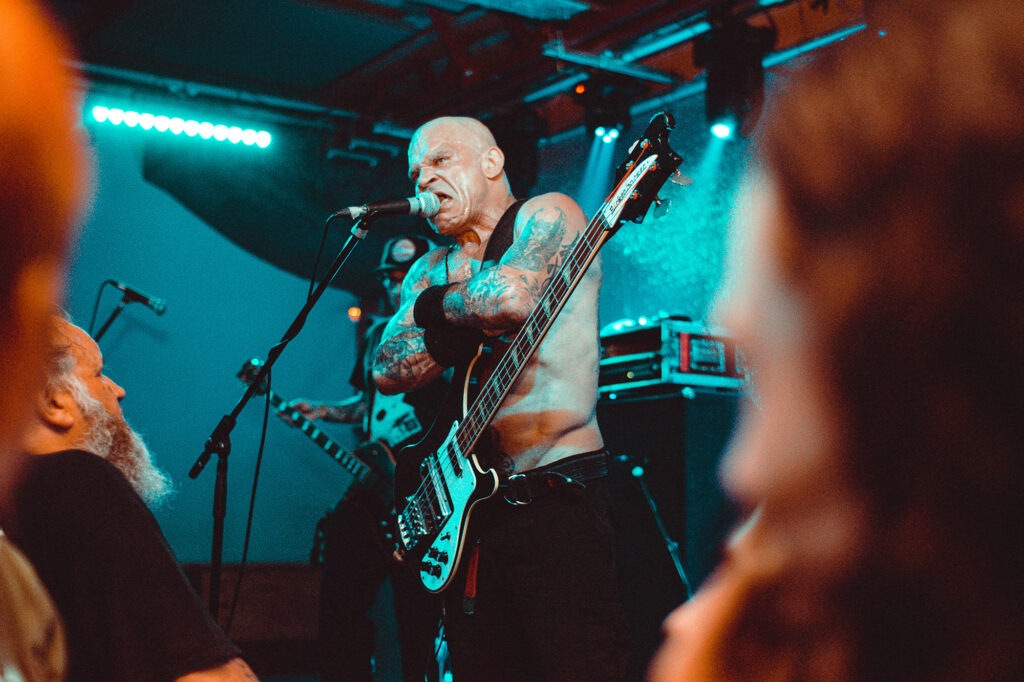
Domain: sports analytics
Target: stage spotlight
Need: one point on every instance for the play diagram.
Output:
(732, 54)
(176, 126)
(723, 129)
(606, 135)
(605, 105)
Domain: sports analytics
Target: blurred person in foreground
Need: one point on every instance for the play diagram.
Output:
(43, 176)
(878, 295)
(80, 515)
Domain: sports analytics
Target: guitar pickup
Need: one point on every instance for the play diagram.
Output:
(444, 508)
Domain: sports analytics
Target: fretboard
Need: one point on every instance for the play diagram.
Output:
(531, 333)
(363, 473)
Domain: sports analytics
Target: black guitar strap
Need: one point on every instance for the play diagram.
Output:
(501, 238)
(497, 245)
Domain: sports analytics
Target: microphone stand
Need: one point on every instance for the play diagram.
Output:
(671, 545)
(113, 316)
(219, 442)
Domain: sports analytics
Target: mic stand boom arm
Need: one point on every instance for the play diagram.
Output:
(219, 442)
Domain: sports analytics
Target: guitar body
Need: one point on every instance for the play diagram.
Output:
(436, 487)
(377, 456)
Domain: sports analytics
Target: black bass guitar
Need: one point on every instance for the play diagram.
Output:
(440, 479)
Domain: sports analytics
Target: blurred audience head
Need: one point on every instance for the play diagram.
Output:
(43, 176)
(878, 295)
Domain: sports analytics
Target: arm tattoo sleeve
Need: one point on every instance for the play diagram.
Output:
(500, 298)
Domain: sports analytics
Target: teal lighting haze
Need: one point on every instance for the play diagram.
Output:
(598, 175)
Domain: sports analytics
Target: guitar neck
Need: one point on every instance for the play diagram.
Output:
(346, 459)
(532, 332)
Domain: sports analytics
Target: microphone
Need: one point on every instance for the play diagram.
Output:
(425, 204)
(132, 295)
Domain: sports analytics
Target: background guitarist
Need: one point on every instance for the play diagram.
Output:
(356, 559)
(535, 597)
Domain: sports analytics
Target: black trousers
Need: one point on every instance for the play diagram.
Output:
(355, 564)
(547, 604)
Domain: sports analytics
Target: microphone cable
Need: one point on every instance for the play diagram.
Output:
(252, 507)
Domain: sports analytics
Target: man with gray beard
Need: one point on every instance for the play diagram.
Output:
(80, 514)
(112, 438)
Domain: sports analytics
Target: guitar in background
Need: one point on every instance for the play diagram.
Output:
(371, 464)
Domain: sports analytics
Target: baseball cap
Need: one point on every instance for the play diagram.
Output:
(402, 251)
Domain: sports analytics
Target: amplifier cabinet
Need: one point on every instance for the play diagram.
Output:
(676, 444)
(666, 353)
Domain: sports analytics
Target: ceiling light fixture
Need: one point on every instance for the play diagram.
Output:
(733, 55)
(605, 106)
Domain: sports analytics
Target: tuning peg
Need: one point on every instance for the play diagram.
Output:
(680, 179)
(661, 207)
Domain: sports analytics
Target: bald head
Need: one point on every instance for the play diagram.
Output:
(469, 131)
(457, 159)
(74, 376)
(80, 408)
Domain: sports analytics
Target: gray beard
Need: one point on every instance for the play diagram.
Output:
(110, 437)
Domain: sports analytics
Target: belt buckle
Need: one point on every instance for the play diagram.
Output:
(518, 490)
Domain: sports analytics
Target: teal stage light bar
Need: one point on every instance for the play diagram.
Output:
(177, 125)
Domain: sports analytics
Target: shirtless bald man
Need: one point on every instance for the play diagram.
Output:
(540, 601)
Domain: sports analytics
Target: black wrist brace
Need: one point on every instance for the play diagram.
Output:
(429, 308)
(450, 345)
(447, 343)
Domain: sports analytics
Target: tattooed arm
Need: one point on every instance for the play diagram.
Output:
(501, 298)
(402, 363)
(494, 299)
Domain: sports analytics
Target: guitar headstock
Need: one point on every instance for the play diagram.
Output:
(638, 179)
(250, 370)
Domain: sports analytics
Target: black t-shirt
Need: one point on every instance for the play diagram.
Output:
(129, 611)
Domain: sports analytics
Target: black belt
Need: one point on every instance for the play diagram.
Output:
(526, 487)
